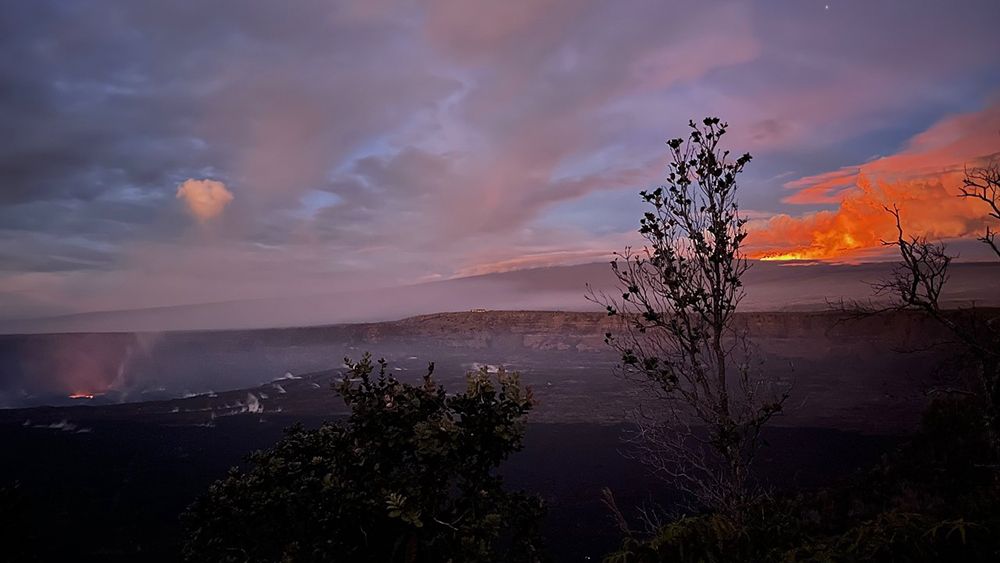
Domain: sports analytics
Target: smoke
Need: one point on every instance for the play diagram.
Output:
(923, 180)
(205, 199)
(82, 366)
(928, 207)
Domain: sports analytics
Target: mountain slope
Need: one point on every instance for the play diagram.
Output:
(770, 287)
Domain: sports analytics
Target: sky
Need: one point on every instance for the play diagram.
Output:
(168, 153)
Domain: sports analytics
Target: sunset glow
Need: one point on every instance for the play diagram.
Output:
(503, 136)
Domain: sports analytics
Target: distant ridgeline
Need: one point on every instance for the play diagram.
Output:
(771, 286)
(867, 374)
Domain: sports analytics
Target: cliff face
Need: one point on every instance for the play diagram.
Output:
(584, 332)
(530, 330)
(870, 374)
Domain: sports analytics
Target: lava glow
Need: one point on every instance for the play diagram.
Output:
(81, 396)
(922, 180)
(859, 226)
(828, 245)
(786, 256)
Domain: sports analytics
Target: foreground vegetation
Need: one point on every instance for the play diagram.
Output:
(409, 477)
(933, 499)
(709, 401)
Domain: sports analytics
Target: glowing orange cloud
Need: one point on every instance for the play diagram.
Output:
(205, 199)
(929, 207)
(922, 180)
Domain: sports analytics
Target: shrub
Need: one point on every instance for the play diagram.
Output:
(409, 477)
(933, 499)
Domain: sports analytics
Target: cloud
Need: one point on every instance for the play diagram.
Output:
(922, 179)
(450, 133)
(929, 207)
(205, 199)
(538, 260)
(947, 146)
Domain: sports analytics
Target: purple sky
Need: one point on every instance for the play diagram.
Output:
(189, 152)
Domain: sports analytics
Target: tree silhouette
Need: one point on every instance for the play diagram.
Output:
(918, 281)
(676, 333)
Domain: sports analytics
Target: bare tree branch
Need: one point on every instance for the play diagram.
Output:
(917, 283)
(983, 184)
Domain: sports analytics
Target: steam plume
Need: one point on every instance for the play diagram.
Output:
(922, 180)
(205, 199)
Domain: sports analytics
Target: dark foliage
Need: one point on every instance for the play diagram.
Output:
(918, 280)
(932, 500)
(409, 477)
(675, 333)
(16, 518)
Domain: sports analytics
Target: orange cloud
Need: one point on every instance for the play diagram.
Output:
(923, 180)
(929, 207)
(205, 199)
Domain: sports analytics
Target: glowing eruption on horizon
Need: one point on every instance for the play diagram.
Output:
(930, 207)
(922, 180)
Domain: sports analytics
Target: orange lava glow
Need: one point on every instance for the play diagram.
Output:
(857, 228)
(923, 180)
(785, 257)
(81, 396)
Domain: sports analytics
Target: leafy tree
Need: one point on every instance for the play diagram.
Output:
(410, 476)
(676, 333)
